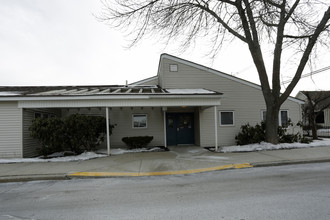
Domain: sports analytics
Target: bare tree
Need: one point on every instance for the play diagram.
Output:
(316, 103)
(295, 26)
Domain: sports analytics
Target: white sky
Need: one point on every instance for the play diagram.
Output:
(60, 42)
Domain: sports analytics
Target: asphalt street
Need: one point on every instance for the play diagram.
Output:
(285, 192)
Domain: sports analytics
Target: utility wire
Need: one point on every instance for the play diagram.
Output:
(309, 74)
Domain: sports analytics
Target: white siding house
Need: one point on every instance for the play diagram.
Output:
(185, 104)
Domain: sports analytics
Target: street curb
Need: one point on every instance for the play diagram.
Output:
(160, 173)
(61, 176)
(288, 162)
(34, 177)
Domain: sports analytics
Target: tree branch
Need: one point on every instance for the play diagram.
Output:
(222, 22)
(311, 42)
(278, 52)
(255, 51)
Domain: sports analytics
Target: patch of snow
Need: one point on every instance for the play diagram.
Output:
(211, 157)
(83, 156)
(268, 146)
(189, 91)
(118, 151)
(9, 93)
(194, 151)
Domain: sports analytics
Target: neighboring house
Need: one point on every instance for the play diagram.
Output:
(321, 102)
(185, 104)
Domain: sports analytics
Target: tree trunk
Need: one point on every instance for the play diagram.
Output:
(314, 126)
(272, 124)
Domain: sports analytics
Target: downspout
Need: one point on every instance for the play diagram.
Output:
(216, 128)
(108, 129)
(164, 122)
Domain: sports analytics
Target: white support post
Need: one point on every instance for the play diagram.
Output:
(216, 127)
(108, 129)
(164, 122)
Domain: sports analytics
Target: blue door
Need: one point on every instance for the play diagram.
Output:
(180, 128)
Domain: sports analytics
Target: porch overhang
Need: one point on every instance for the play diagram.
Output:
(121, 101)
(108, 96)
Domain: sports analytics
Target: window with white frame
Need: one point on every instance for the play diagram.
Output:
(263, 115)
(227, 118)
(139, 121)
(283, 117)
(173, 67)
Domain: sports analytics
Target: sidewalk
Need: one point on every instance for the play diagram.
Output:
(179, 160)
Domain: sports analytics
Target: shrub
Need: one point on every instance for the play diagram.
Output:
(250, 134)
(305, 140)
(85, 132)
(49, 132)
(289, 138)
(76, 133)
(256, 134)
(137, 142)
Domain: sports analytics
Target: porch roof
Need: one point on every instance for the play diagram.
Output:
(72, 91)
(108, 96)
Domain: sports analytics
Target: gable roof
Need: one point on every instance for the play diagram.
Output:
(216, 72)
(322, 98)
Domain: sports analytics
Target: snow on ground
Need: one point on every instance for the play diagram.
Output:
(58, 157)
(268, 146)
(118, 151)
(83, 156)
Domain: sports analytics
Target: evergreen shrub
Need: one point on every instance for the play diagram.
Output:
(256, 134)
(76, 133)
(137, 142)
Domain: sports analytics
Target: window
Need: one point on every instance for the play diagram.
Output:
(283, 117)
(173, 68)
(226, 118)
(263, 115)
(139, 121)
(319, 117)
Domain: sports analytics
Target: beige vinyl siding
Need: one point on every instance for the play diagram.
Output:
(245, 100)
(327, 117)
(122, 117)
(29, 144)
(10, 130)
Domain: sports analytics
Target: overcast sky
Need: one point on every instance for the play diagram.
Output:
(60, 42)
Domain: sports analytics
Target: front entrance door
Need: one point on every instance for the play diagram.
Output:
(179, 128)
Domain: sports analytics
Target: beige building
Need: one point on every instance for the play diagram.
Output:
(185, 104)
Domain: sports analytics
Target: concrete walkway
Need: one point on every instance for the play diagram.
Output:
(179, 160)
